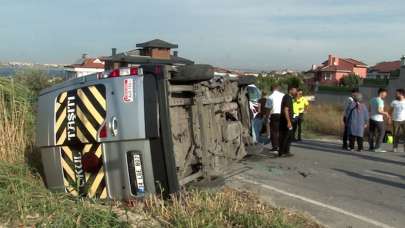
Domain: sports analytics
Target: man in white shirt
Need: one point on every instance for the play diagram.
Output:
(274, 104)
(398, 118)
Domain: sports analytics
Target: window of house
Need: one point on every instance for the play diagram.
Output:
(327, 76)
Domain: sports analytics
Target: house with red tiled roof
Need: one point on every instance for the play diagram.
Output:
(383, 70)
(84, 66)
(332, 70)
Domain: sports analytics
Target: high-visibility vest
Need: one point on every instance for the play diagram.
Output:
(299, 105)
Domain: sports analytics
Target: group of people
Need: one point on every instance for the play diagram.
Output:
(357, 117)
(280, 119)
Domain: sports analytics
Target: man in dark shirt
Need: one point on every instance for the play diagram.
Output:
(286, 122)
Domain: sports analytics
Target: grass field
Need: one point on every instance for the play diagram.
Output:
(24, 201)
(323, 120)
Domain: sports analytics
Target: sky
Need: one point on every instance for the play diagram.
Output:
(254, 34)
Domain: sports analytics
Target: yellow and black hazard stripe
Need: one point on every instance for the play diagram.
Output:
(93, 184)
(89, 112)
(79, 114)
(69, 174)
(60, 120)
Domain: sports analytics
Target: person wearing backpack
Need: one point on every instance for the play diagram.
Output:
(398, 118)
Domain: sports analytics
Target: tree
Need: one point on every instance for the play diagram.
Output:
(351, 81)
(265, 83)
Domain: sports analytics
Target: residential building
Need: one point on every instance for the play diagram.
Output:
(335, 68)
(383, 70)
(154, 51)
(84, 66)
(394, 83)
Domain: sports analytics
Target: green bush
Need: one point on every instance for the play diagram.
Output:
(265, 83)
(11, 88)
(36, 80)
(351, 81)
(335, 89)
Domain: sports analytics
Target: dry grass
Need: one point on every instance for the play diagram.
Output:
(16, 126)
(226, 208)
(324, 120)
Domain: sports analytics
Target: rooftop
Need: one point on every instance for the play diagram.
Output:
(88, 63)
(125, 57)
(350, 60)
(355, 62)
(334, 68)
(157, 43)
(386, 67)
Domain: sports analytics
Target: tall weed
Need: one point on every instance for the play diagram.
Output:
(16, 122)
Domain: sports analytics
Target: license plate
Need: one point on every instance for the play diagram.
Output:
(138, 173)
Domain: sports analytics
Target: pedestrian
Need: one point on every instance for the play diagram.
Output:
(260, 121)
(377, 125)
(286, 125)
(300, 105)
(398, 118)
(356, 122)
(348, 102)
(274, 105)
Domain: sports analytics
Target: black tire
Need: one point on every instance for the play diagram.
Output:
(192, 73)
(246, 80)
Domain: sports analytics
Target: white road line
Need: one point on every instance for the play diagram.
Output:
(317, 203)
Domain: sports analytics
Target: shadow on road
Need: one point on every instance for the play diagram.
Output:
(373, 179)
(335, 148)
(389, 173)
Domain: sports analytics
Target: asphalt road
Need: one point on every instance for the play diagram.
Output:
(336, 187)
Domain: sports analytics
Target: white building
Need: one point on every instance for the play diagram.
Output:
(225, 72)
(84, 66)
